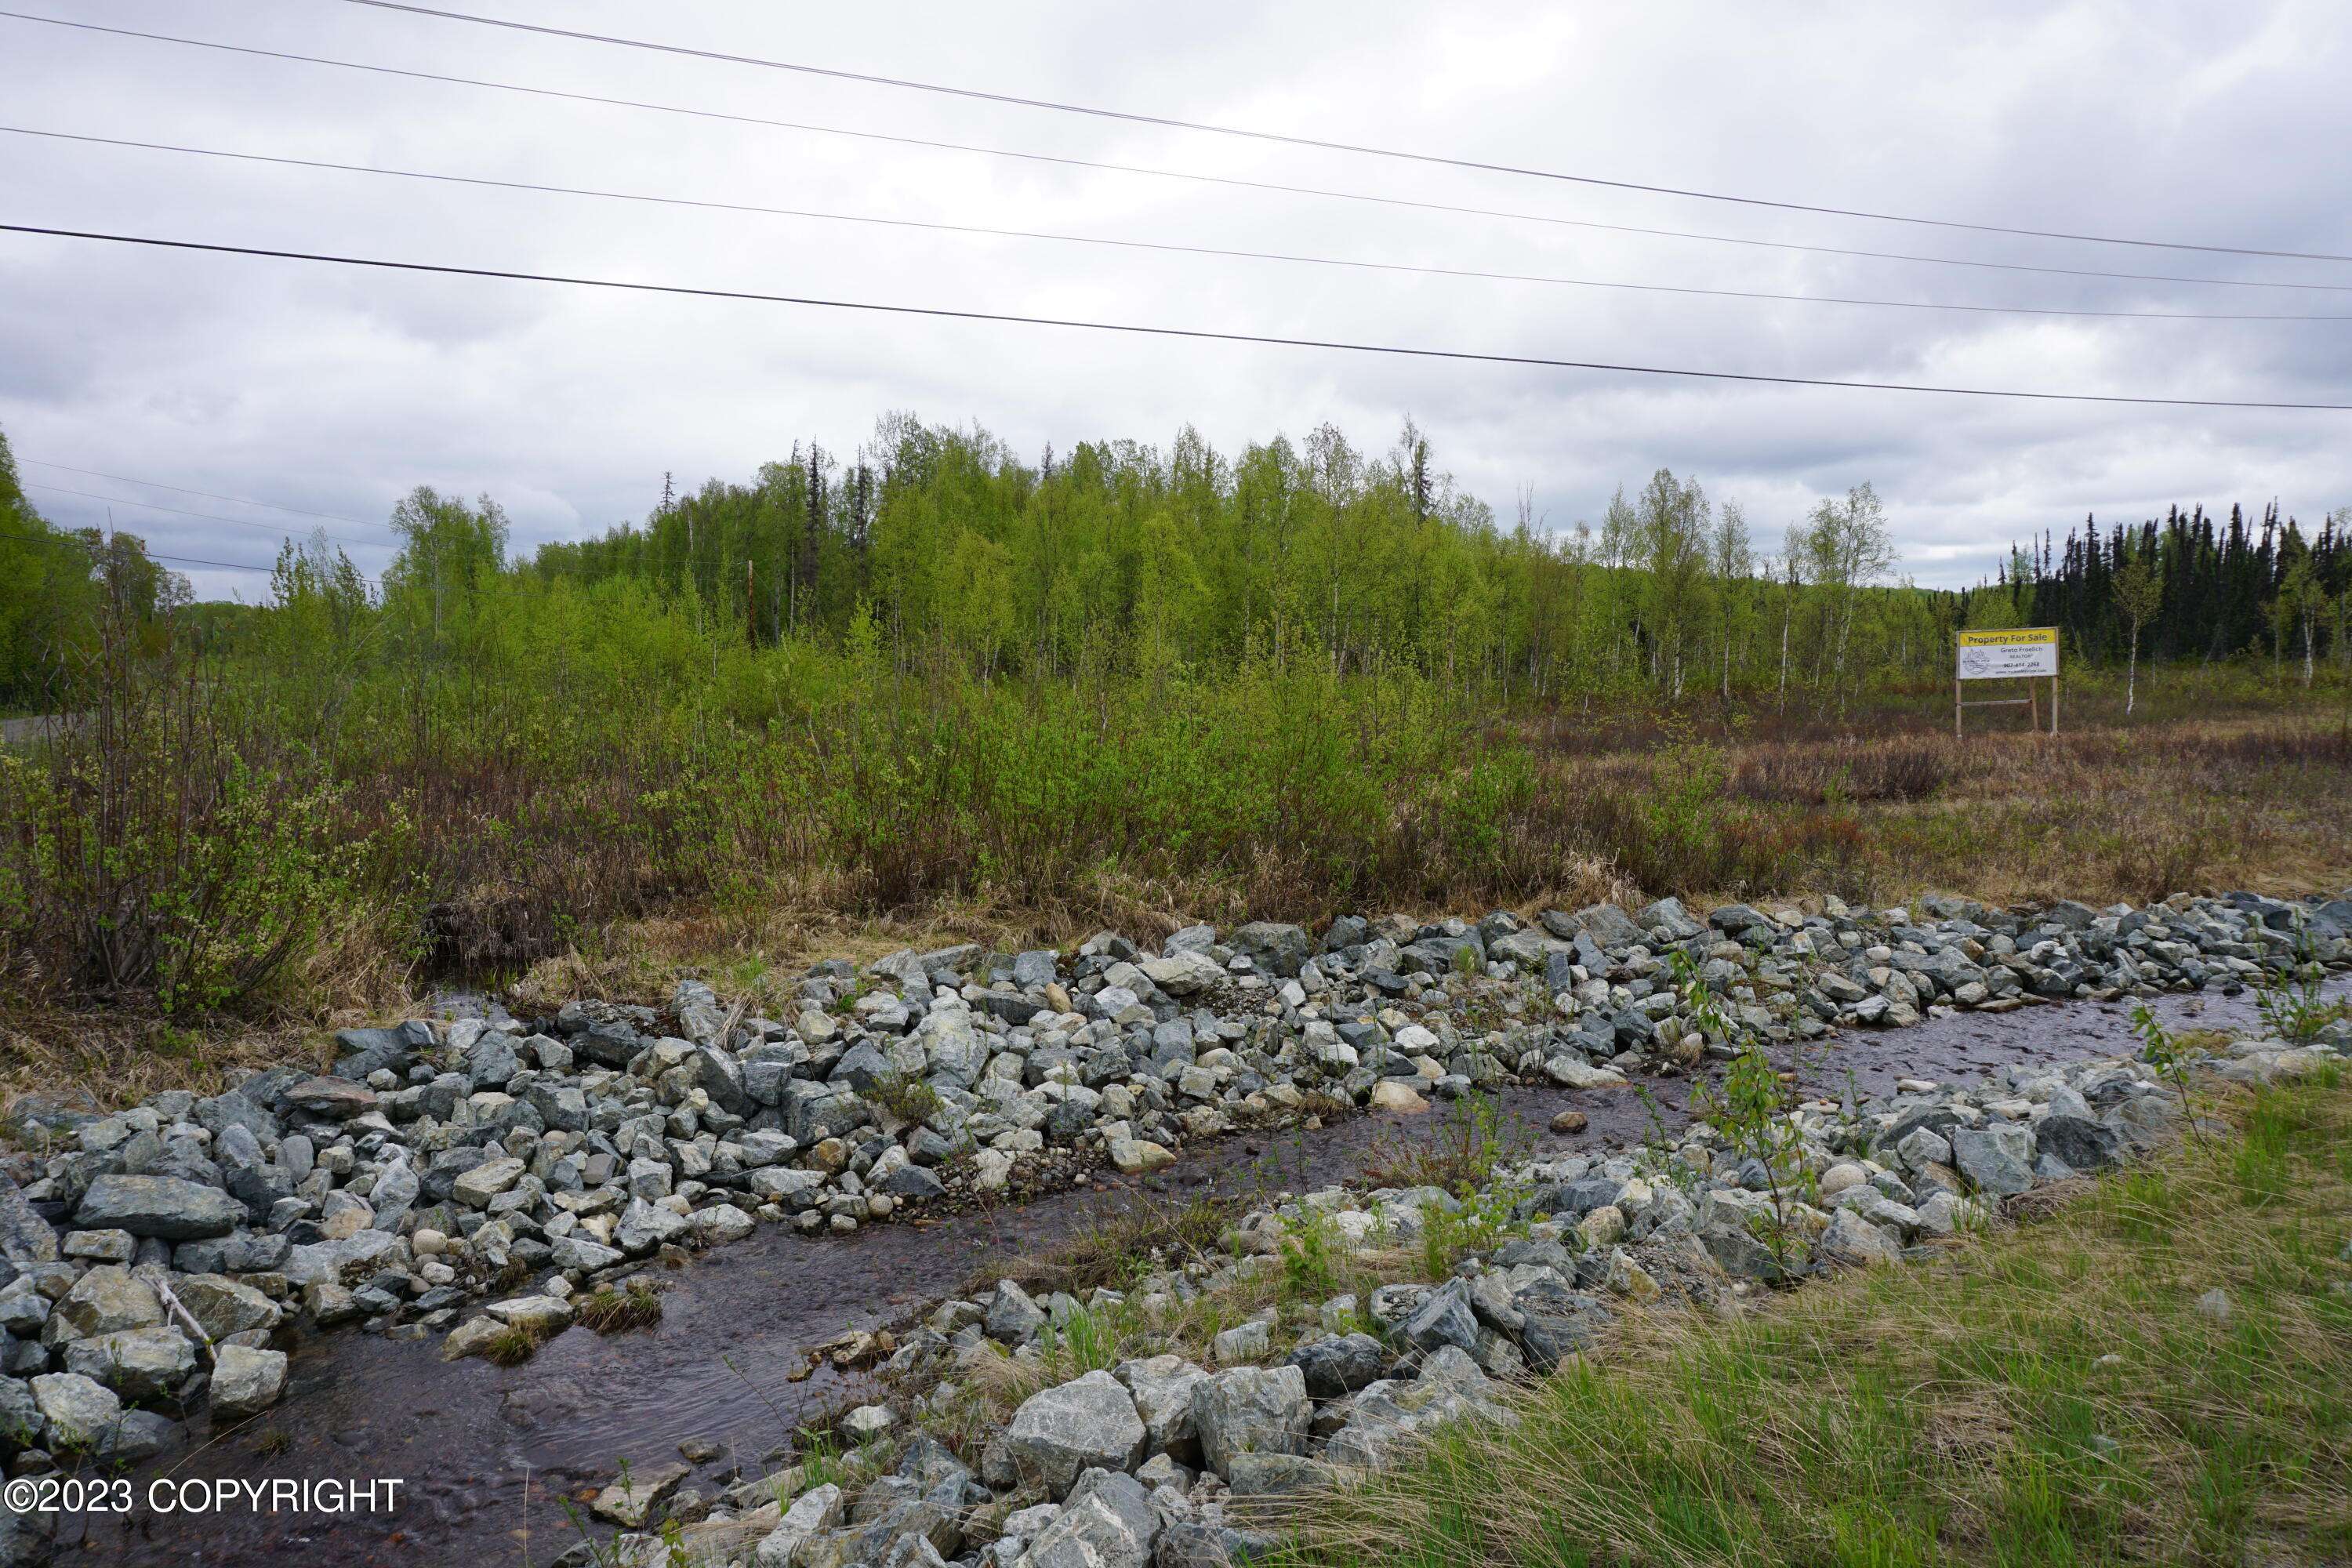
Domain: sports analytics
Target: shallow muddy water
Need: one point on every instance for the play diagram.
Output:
(488, 1455)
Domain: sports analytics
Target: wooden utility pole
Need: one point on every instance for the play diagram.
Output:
(751, 607)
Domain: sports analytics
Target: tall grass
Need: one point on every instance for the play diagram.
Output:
(270, 830)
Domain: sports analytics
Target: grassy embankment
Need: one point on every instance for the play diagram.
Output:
(2052, 1392)
(224, 861)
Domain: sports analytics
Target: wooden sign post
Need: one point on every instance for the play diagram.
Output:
(2028, 653)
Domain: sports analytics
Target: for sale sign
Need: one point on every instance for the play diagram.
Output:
(2025, 652)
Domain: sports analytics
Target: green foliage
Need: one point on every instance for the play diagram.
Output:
(2296, 1008)
(1748, 1108)
(1481, 1220)
(2164, 1051)
(1312, 1255)
(903, 1097)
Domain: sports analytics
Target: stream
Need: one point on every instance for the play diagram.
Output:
(489, 1455)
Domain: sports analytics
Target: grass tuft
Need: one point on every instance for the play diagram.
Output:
(609, 1311)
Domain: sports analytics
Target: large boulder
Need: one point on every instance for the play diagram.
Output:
(1997, 1159)
(170, 1208)
(1273, 948)
(1183, 973)
(1250, 1410)
(224, 1306)
(106, 1299)
(1089, 1423)
(1162, 1386)
(137, 1363)
(813, 1513)
(1108, 1523)
(77, 1412)
(2081, 1143)
(1342, 1365)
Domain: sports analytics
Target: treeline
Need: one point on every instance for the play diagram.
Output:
(2187, 587)
(1120, 557)
(54, 584)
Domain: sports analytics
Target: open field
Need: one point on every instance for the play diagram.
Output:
(203, 876)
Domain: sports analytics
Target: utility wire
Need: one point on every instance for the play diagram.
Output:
(210, 517)
(152, 555)
(1393, 152)
(1139, 330)
(1162, 246)
(1232, 182)
(183, 489)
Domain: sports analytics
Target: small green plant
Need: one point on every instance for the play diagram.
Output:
(2297, 1007)
(609, 1311)
(272, 1443)
(1481, 1222)
(1749, 1110)
(1309, 1251)
(2162, 1051)
(903, 1097)
(1084, 1341)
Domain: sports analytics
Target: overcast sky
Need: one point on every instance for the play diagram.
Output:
(337, 391)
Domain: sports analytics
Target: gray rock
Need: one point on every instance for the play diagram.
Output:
(331, 1099)
(814, 1512)
(1108, 1523)
(166, 1206)
(106, 1299)
(1013, 1317)
(76, 1412)
(1337, 1367)
(1275, 949)
(26, 1239)
(1162, 1386)
(246, 1382)
(1250, 1410)
(1445, 1319)
(2084, 1145)
(1272, 1475)
(1997, 1159)
(1090, 1421)
(137, 1363)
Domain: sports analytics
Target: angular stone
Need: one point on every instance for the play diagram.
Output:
(1444, 1318)
(1162, 1386)
(813, 1513)
(137, 1363)
(1250, 1410)
(245, 1382)
(1339, 1366)
(2081, 1144)
(331, 1099)
(1998, 1160)
(1108, 1523)
(1088, 1422)
(76, 1411)
(169, 1207)
(106, 1299)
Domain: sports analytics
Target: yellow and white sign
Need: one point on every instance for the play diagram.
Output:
(2028, 652)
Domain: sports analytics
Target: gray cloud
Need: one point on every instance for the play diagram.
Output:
(339, 391)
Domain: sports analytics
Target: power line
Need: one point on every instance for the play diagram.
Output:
(210, 517)
(1248, 134)
(1287, 256)
(183, 489)
(1232, 182)
(151, 554)
(1139, 330)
